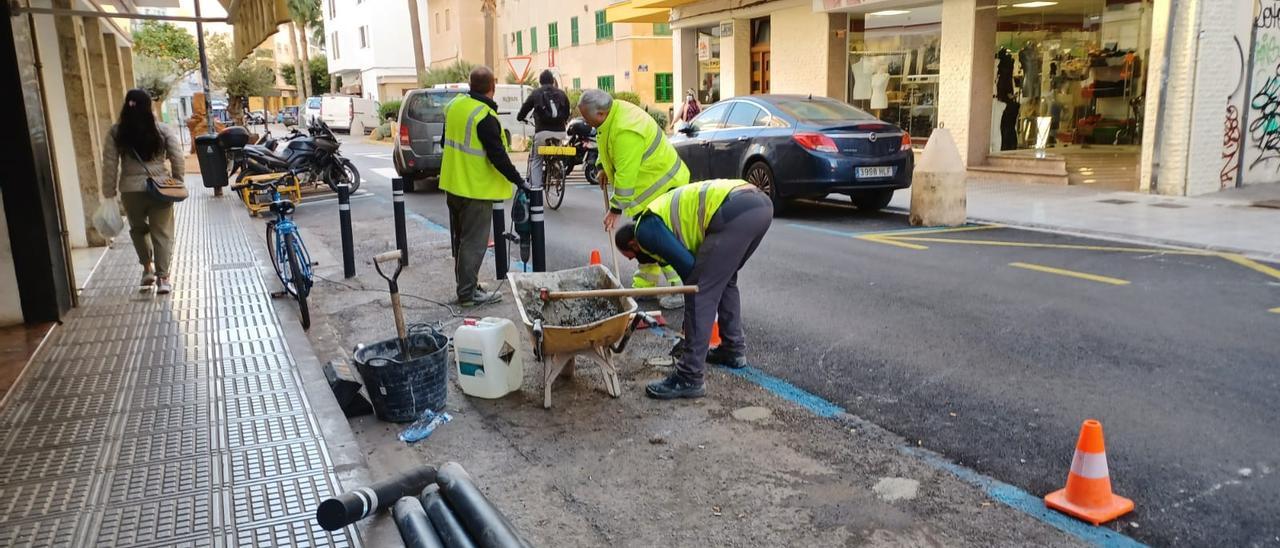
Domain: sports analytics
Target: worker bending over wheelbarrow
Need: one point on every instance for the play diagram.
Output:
(706, 231)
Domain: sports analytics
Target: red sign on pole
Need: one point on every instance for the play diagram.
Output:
(519, 66)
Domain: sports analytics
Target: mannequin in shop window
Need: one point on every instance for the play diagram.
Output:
(879, 89)
(1005, 94)
(1029, 57)
(861, 79)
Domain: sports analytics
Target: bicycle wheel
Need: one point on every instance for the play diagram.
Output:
(279, 262)
(298, 277)
(553, 188)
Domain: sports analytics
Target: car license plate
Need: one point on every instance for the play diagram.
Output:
(875, 172)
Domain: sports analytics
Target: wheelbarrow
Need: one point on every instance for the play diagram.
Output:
(580, 312)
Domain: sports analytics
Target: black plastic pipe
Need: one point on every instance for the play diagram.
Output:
(451, 531)
(486, 526)
(352, 506)
(415, 528)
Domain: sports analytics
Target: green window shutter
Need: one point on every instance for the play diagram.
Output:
(662, 87)
(577, 82)
(553, 35)
(573, 31)
(605, 83)
(604, 29)
(519, 42)
(533, 39)
(662, 29)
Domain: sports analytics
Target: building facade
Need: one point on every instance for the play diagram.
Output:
(455, 28)
(1166, 96)
(370, 47)
(576, 41)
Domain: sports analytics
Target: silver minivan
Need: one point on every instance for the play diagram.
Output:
(418, 147)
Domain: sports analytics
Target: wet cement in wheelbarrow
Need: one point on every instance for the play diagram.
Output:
(568, 312)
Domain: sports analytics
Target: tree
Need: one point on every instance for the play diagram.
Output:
(238, 78)
(166, 41)
(305, 14)
(297, 63)
(319, 74)
(155, 76)
(458, 71)
(415, 27)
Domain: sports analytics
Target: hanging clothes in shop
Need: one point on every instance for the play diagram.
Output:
(1005, 94)
(1029, 56)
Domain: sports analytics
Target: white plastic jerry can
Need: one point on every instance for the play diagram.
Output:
(486, 354)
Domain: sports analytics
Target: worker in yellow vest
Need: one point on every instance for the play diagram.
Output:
(706, 231)
(475, 173)
(650, 274)
(634, 152)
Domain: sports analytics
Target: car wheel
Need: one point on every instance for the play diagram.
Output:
(760, 175)
(872, 200)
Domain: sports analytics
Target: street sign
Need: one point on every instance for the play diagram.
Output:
(519, 66)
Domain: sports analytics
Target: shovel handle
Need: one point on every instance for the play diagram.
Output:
(599, 293)
(393, 255)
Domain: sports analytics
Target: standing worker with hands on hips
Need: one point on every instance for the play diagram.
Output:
(475, 173)
(634, 152)
(707, 231)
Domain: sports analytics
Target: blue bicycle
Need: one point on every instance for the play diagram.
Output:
(288, 253)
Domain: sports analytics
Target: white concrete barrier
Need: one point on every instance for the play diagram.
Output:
(938, 186)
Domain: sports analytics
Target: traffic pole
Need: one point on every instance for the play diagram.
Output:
(344, 220)
(539, 232)
(397, 202)
(499, 242)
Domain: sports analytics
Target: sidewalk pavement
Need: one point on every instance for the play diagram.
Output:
(176, 420)
(1225, 221)
(742, 467)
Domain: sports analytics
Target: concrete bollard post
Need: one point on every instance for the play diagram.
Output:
(938, 185)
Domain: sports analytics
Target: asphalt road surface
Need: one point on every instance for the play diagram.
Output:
(991, 345)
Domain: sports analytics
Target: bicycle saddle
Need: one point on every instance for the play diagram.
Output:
(282, 207)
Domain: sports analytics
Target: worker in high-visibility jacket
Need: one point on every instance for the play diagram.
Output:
(634, 154)
(706, 231)
(650, 274)
(475, 173)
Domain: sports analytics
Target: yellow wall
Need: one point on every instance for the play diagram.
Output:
(464, 37)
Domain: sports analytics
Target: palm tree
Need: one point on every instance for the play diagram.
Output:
(305, 15)
(419, 62)
(297, 64)
(490, 9)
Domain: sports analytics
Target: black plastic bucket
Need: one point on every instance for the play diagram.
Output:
(401, 389)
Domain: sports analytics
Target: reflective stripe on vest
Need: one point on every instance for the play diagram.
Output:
(465, 169)
(711, 194)
(659, 167)
(468, 145)
(648, 192)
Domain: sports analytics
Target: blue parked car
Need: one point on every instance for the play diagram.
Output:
(797, 146)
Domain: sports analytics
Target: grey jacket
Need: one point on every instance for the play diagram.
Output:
(121, 169)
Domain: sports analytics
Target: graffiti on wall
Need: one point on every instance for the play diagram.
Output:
(1231, 133)
(1264, 128)
(1260, 150)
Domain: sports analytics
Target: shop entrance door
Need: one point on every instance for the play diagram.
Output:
(760, 55)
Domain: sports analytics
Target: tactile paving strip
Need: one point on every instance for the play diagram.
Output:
(168, 421)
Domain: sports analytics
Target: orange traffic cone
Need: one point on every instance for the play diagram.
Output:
(715, 334)
(1088, 495)
(595, 256)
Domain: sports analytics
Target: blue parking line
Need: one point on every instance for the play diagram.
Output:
(1004, 493)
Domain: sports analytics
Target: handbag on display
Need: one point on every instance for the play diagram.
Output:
(163, 188)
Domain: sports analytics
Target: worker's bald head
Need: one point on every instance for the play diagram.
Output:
(594, 106)
(482, 81)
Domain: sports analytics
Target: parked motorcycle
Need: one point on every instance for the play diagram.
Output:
(583, 138)
(316, 152)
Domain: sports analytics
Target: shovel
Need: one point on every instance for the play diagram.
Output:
(401, 332)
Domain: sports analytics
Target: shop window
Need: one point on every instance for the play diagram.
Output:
(605, 83)
(662, 29)
(604, 29)
(708, 52)
(662, 82)
(533, 39)
(553, 35)
(894, 62)
(761, 56)
(573, 31)
(519, 42)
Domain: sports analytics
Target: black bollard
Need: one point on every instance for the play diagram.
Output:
(397, 203)
(499, 241)
(539, 231)
(343, 510)
(344, 219)
(484, 523)
(415, 528)
(451, 532)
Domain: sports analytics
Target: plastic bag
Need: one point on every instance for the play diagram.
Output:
(424, 426)
(107, 219)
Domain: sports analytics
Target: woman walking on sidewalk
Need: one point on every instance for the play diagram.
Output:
(136, 146)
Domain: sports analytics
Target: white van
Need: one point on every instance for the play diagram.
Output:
(344, 112)
(509, 97)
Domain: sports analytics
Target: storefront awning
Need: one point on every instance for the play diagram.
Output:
(628, 12)
(253, 21)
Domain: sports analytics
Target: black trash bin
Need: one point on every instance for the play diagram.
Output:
(402, 388)
(213, 161)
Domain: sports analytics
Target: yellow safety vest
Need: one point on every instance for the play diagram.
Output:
(687, 210)
(465, 170)
(660, 166)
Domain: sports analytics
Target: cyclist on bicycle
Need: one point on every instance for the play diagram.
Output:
(550, 107)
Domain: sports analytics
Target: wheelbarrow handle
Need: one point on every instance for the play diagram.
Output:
(548, 295)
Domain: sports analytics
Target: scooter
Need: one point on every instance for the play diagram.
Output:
(583, 138)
